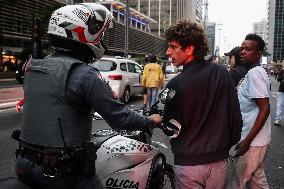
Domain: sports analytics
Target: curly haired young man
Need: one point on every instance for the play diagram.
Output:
(206, 105)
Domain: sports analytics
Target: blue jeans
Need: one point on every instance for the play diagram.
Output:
(152, 96)
(280, 106)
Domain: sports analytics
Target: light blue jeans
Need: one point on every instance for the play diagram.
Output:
(152, 93)
(280, 106)
(209, 176)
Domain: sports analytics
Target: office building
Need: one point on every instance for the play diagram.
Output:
(16, 31)
(260, 28)
(210, 32)
(166, 12)
(276, 30)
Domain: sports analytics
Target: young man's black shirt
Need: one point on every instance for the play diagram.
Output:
(207, 107)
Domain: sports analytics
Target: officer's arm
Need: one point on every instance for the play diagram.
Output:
(97, 94)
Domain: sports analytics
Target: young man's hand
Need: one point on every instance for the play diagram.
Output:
(242, 147)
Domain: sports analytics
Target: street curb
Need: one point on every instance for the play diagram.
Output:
(8, 79)
(8, 105)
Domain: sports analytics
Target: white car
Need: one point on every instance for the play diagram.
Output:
(172, 71)
(122, 75)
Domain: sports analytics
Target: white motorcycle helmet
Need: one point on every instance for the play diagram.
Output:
(84, 23)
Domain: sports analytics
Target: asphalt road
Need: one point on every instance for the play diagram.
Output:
(10, 120)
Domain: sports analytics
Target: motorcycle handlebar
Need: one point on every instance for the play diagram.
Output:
(170, 128)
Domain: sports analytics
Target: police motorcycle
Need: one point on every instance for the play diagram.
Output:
(128, 159)
(125, 159)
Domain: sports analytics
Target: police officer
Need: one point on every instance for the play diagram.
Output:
(61, 92)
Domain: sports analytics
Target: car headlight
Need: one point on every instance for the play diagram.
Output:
(17, 72)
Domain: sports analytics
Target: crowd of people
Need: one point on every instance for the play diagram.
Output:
(222, 113)
(280, 99)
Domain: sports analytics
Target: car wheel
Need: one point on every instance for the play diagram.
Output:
(126, 96)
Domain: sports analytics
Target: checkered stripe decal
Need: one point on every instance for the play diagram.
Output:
(128, 147)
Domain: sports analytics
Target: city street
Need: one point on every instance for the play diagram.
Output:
(52, 39)
(10, 120)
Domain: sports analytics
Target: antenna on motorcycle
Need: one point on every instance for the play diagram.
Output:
(36, 38)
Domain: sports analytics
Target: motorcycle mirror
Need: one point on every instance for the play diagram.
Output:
(166, 95)
(172, 128)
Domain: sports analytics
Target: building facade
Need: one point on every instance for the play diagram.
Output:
(166, 12)
(16, 31)
(276, 30)
(210, 32)
(16, 19)
(260, 28)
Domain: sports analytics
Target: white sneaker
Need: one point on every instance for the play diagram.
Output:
(277, 123)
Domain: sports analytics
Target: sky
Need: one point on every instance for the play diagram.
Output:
(234, 19)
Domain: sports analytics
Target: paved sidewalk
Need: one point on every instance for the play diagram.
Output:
(10, 96)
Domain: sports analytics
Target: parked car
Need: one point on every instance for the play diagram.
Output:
(171, 72)
(122, 75)
(180, 68)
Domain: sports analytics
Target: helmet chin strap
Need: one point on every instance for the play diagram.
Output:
(98, 50)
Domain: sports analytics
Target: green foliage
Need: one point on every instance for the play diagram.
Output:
(139, 59)
(265, 51)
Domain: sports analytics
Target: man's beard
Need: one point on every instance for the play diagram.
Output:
(248, 64)
(245, 62)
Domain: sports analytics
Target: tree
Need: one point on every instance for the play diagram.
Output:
(265, 51)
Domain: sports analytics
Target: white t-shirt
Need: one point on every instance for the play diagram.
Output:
(255, 85)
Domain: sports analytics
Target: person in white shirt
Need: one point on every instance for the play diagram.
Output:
(253, 94)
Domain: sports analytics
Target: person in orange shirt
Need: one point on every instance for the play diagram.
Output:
(152, 79)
